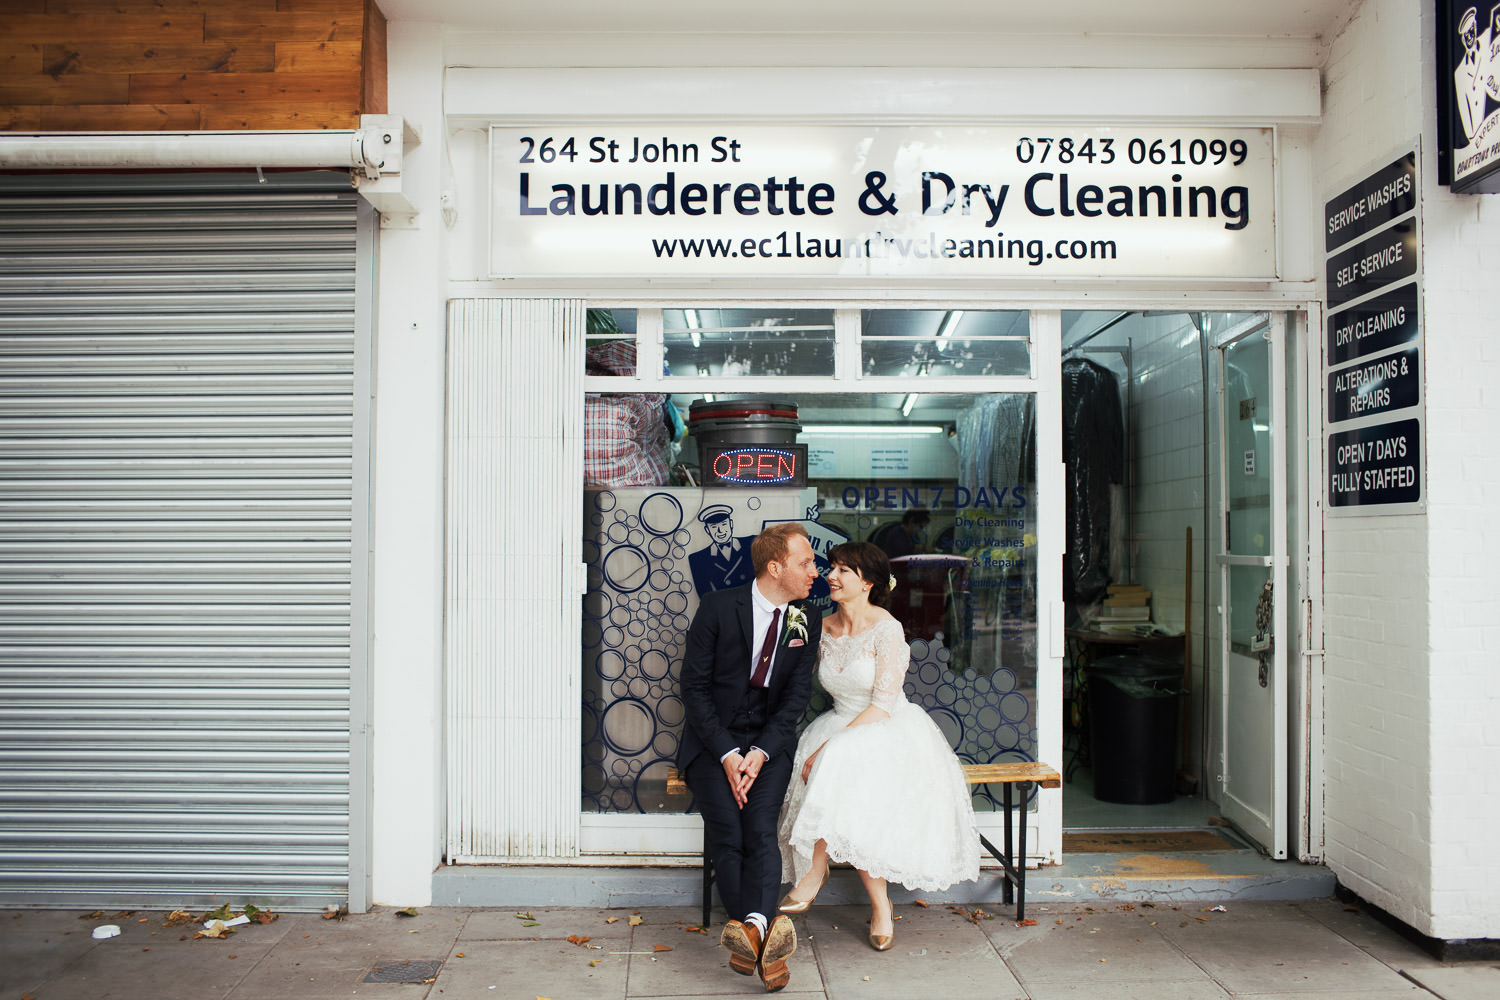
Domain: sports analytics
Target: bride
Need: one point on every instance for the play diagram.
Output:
(874, 783)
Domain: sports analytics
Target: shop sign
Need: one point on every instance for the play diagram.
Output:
(942, 202)
(1372, 364)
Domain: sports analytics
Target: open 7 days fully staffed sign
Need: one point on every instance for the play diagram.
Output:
(940, 202)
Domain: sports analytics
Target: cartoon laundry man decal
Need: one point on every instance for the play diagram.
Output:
(725, 562)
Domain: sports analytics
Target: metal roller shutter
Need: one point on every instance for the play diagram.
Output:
(177, 468)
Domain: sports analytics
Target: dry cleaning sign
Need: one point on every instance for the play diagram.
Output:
(1037, 202)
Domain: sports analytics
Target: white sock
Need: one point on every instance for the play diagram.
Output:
(759, 920)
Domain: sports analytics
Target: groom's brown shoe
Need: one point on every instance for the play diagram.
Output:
(743, 943)
(781, 941)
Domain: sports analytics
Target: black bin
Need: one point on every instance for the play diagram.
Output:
(1133, 716)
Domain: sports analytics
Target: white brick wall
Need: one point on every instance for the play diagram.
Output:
(1411, 630)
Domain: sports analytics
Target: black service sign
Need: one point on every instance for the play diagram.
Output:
(1379, 464)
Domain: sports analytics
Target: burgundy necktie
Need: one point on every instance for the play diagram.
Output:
(763, 665)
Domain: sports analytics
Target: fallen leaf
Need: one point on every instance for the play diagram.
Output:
(460, 955)
(177, 918)
(531, 923)
(636, 920)
(142, 920)
(690, 929)
(95, 915)
(1204, 919)
(525, 916)
(222, 913)
(575, 939)
(1028, 923)
(410, 911)
(593, 963)
(610, 920)
(919, 902)
(663, 947)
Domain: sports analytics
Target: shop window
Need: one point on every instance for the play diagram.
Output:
(740, 342)
(944, 484)
(610, 342)
(938, 342)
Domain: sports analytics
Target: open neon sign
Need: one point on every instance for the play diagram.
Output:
(756, 465)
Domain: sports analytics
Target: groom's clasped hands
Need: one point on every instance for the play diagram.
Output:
(742, 772)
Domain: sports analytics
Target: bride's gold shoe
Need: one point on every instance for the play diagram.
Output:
(882, 942)
(796, 907)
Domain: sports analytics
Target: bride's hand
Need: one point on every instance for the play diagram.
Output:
(807, 765)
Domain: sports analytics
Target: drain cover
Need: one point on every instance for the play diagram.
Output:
(403, 971)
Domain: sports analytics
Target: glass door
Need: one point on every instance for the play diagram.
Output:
(1252, 580)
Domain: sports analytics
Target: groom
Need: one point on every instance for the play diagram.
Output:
(746, 678)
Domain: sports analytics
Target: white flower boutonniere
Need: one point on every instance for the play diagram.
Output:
(796, 622)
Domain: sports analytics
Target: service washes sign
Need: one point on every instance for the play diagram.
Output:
(884, 202)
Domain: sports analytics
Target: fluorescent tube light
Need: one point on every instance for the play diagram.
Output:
(690, 317)
(945, 331)
(908, 403)
(896, 430)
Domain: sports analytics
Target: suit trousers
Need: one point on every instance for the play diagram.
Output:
(742, 842)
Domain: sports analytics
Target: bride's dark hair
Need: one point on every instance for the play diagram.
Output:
(870, 562)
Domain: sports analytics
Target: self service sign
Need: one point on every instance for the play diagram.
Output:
(1041, 202)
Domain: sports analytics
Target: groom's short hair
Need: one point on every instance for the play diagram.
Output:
(771, 544)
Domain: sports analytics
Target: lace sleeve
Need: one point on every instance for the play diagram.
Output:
(892, 657)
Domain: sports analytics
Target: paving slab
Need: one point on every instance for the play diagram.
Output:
(36, 945)
(547, 922)
(148, 958)
(512, 969)
(1477, 981)
(1369, 934)
(936, 953)
(1094, 946)
(1197, 989)
(1267, 948)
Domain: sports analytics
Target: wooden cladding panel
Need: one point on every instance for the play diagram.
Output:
(318, 57)
(134, 58)
(141, 65)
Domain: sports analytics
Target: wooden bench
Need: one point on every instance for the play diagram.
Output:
(1012, 859)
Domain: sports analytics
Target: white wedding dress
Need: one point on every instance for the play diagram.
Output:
(888, 797)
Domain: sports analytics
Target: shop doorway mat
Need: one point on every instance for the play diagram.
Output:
(1145, 841)
(400, 970)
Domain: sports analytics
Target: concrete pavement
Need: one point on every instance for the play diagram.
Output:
(1315, 949)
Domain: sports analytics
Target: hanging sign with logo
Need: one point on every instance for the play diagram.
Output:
(950, 202)
(1373, 359)
(1468, 98)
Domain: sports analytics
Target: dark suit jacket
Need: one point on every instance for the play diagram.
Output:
(716, 675)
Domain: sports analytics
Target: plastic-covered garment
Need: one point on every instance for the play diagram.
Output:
(624, 434)
(1094, 452)
(888, 797)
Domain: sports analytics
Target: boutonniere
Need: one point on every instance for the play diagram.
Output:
(796, 622)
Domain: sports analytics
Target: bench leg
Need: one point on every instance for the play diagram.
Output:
(1007, 895)
(1019, 860)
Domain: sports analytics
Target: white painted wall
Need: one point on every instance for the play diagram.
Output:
(1412, 745)
(407, 591)
(1461, 258)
